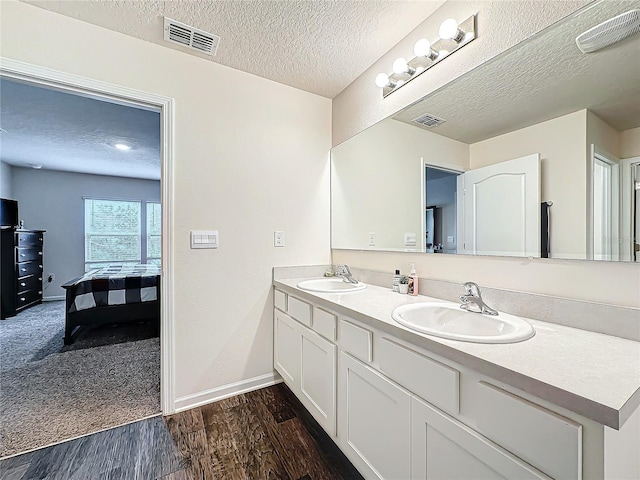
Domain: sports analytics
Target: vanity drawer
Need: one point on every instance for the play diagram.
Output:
(299, 310)
(435, 382)
(356, 340)
(542, 438)
(280, 300)
(324, 323)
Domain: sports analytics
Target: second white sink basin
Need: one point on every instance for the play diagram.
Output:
(448, 320)
(331, 285)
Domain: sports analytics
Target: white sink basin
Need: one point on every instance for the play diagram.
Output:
(331, 285)
(448, 320)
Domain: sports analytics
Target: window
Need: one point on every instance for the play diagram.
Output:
(154, 233)
(115, 233)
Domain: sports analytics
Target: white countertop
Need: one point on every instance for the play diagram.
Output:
(594, 375)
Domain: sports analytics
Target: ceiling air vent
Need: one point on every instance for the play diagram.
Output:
(428, 120)
(609, 32)
(187, 36)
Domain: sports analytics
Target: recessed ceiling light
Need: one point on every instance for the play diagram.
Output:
(122, 146)
(34, 166)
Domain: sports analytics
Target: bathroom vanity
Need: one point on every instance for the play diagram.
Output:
(404, 405)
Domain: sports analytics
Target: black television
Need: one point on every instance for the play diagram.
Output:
(8, 213)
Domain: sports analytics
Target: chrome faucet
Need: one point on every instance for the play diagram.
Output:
(473, 297)
(344, 272)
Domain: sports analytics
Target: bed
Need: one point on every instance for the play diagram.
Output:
(116, 294)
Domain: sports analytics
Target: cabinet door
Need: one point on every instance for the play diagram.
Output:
(374, 421)
(444, 449)
(318, 379)
(286, 348)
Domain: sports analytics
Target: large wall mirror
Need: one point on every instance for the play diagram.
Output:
(535, 153)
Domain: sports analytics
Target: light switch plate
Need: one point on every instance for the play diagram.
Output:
(278, 239)
(204, 239)
(409, 239)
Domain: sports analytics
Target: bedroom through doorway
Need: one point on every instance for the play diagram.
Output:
(82, 237)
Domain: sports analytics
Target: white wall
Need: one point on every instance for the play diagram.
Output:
(53, 201)
(501, 25)
(377, 183)
(251, 157)
(630, 143)
(560, 143)
(6, 180)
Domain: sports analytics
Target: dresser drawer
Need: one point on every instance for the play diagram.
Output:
(324, 323)
(542, 438)
(29, 239)
(356, 340)
(27, 298)
(435, 382)
(32, 282)
(26, 254)
(28, 268)
(299, 310)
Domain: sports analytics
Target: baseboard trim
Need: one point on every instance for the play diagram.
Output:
(220, 393)
(53, 298)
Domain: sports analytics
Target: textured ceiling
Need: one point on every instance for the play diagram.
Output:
(320, 46)
(542, 78)
(62, 131)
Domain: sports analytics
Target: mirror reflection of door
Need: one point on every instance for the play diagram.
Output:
(499, 209)
(629, 245)
(440, 211)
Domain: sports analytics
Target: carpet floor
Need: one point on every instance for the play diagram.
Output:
(50, 392)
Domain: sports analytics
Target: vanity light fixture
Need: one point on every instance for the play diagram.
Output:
(453, 36)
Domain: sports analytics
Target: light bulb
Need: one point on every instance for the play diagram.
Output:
(422, 48)
(449, 30)
(382, 80)
(400, 65)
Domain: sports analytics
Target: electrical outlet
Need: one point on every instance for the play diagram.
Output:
(51, 277)
(372, 239)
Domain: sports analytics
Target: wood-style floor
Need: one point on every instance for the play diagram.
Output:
(265, 434)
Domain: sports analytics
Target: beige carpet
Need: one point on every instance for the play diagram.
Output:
(63, 395)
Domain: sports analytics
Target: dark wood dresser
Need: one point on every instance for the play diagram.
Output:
(21, 254)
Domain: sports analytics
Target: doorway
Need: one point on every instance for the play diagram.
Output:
(59, 81)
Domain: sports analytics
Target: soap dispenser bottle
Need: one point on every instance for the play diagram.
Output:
(413, 281)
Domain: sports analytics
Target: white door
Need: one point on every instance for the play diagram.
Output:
(286, 348)
(444, 449)
(499, 209)
(318, 379)
(630, 209)
(374, 424)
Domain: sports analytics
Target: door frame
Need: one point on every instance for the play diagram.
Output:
(84, 86)
(447, 167)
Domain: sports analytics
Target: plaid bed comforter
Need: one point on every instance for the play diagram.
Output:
(114, 285)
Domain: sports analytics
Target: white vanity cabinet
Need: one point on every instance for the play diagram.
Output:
(400, 411)
(374, 424)
(307, 364)
(444, 448)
